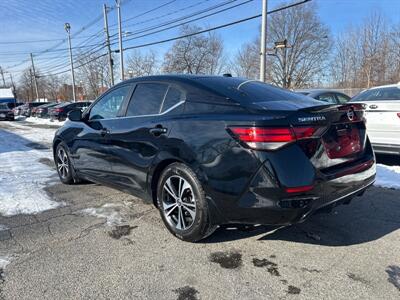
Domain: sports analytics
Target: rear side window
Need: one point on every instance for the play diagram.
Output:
(342, 98)
(330, 98)
(173, 97)
(147, 99)
(389, 93)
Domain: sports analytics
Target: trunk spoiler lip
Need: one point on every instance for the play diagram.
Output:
(334, 107)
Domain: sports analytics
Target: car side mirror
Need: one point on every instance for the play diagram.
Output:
(75, 115)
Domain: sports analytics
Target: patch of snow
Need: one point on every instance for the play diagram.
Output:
(4, 261)
(109, 211)
(38, 135)
(388, 176)
(23, 177)
(3, 227)
(44, 121)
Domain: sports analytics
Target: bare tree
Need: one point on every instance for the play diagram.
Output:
(140, 64)
(246, 63)
(308, 39)
(297, 66)
(198, 54)
(365, 56)
(93, 75)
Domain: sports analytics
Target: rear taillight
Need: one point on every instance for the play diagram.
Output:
(398, 114)
(271, 138)
(58, 110)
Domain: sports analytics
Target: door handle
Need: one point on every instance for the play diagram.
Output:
(158, 130)
(104, 131)
(373, 106)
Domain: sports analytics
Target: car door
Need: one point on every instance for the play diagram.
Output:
(382, 109)
(91, 147)
(142, 133)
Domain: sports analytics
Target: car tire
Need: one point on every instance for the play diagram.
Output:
(63, 165)
(182, 204)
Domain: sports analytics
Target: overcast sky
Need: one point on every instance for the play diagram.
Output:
(28, 20)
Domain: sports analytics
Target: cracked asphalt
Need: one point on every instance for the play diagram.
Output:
(351, 253)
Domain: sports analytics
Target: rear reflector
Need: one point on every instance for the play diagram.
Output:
(273, 137)
(299, 189)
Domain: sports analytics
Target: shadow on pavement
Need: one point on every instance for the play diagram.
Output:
(365, 219)
(10, 142)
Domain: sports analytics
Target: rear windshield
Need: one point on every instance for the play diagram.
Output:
(244, 90)
(6, 106)
(389, 93)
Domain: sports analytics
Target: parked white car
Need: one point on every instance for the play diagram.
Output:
(383, 117)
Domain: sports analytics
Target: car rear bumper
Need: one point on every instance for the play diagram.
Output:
(263, 204)
(386, 148)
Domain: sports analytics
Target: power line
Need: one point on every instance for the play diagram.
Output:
(190, 21)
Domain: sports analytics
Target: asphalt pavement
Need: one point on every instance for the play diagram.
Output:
(73, 253)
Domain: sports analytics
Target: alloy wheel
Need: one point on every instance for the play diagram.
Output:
(62, 163)
(179, 203)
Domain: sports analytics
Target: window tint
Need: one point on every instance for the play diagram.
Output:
(108, 106)
(390, 93)
(147, 99)
(342, 98)
(330, 98)
(249, 91)
(173, 97)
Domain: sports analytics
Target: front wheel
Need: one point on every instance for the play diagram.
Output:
(63, 165)
(182, 204)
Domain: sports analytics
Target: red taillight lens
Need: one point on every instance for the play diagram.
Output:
(299, 189)
(398, 114)
(273, 137)
(58, 109)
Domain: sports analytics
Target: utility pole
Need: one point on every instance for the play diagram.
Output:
(35, 79)
(30, 73)
(110, 60)
(12, 82)
(2, 76)
(263, 48)
(67, 28)
(121, 53)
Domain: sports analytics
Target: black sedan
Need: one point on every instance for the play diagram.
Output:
(43, 110)
(60, 111)
(6, 111)
(210, 150)
(330, 96)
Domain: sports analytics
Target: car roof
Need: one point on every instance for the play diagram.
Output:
(314, 91)
(386, 86)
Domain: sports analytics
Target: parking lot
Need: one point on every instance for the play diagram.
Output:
(89, 241)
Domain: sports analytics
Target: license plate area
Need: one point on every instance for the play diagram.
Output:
(342, 140)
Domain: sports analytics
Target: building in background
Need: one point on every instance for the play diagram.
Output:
(7, 95)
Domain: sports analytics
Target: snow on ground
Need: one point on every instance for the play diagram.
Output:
(3, 227)
(109, 211)
(23, 176)
(388, 176)
(4, 261)
(44, 121)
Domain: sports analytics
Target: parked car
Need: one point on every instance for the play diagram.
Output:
(210, 150)
(42, 110)
(6, 111)
(325, 95)
(26, 109)
(35, 109)
(60, 111)
(17, 109)
(383, 117)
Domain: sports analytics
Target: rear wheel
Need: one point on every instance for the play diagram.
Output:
(182, 204)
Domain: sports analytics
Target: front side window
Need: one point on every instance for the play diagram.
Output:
(108, 106)
(147, 99)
